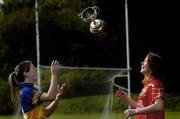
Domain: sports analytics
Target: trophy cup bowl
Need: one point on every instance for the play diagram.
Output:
(97, 26)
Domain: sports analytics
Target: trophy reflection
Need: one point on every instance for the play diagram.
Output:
(90, 15)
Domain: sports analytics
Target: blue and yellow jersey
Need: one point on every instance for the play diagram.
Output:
(30, 101)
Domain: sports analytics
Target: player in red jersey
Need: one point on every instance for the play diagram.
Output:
(150, 103)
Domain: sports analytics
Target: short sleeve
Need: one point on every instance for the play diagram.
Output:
(36, 97)
(157, 91)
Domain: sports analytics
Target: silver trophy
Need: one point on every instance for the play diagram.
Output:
(90, 15)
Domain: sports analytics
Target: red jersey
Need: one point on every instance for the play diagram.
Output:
(152, 91)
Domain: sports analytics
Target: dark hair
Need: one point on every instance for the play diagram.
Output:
(157, 65)
(17, 77)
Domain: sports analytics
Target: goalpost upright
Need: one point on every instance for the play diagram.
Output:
(37, 42)
(127, 45)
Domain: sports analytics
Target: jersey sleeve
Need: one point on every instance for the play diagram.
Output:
(36, 97)
(157, 91)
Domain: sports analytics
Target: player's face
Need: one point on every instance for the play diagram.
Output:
(145, 69)
(32, 73)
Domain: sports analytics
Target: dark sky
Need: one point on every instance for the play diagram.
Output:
(153, 27)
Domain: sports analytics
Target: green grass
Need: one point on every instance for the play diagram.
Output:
(91, 107)
(172, 115)
(168, 115)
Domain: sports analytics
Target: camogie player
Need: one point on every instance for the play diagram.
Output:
(22, 81)
(150, 103)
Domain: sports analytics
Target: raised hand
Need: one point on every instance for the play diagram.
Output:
(55, 67)
(122, 94)
(60, 90)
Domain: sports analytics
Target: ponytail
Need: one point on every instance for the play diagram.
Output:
(14, 85)
(17, 77)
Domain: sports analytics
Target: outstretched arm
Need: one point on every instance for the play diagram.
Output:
(51, 107)
(51, 94)
(124, 96)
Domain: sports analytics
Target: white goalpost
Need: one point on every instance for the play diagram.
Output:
(119, 72)
(127, 47)
(127, 69)
(38, 43)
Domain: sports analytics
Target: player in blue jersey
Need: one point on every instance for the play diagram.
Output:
(22, 81)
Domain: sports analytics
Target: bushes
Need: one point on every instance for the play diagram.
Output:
(172, 102)
(5, 100)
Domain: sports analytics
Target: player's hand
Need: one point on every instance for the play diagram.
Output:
(122, 94)
(129, 112)
(55, 67)
(60, 90)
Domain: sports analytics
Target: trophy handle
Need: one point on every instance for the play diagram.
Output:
(96, 9)
(89, 14)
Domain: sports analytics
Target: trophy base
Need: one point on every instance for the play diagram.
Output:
(97, 26)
